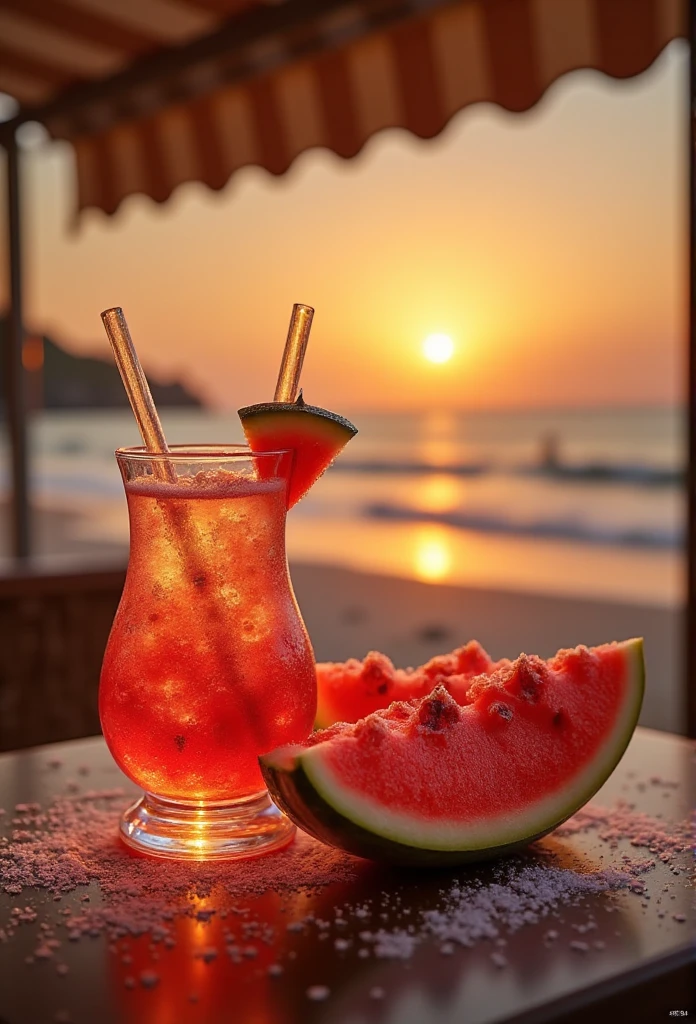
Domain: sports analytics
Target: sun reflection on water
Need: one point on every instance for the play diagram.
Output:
(432, 561)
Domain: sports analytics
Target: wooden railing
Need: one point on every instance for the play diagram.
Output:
(53, 630)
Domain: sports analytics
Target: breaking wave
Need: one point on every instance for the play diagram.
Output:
(639, 474)
(560, 529)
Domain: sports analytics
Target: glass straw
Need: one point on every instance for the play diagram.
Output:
(294, 353)
(138, 390)
(143, 406)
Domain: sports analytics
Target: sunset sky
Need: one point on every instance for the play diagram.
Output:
(551, 248)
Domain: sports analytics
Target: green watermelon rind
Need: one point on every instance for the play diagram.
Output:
(294, 793)
(330, 422)
(303, 786)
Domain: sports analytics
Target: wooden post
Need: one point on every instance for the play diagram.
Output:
(15, 397)
(690, 618)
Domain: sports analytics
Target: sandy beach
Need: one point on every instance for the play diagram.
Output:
(349, 613)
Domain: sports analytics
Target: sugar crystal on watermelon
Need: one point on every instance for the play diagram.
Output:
(350, 690)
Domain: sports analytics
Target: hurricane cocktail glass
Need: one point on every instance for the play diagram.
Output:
(208, 663)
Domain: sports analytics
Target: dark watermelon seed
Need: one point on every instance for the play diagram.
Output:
(530, 681)
(505, 712)
(180, 742)
(435, 714)
(559, 719)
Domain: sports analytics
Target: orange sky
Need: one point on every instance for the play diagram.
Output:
(551, 246)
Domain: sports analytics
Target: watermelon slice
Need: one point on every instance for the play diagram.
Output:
(315, 435)
(348, 691)
(431, 781)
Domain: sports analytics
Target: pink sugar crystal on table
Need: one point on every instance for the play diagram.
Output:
(76, 845)
(72, 843)
(397, 945)
(317, 993)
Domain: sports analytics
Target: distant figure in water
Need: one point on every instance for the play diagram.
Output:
(549, 457)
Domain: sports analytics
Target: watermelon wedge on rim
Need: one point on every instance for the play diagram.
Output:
(315, 435)
(432, 781)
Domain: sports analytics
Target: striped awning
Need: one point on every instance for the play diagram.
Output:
(153, 93)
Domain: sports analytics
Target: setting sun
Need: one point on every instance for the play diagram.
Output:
(438, 348)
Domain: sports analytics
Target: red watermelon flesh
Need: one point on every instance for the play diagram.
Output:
(315, 435)
(348, 691)
(431, 781)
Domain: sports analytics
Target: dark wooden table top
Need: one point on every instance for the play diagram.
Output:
(637, 966)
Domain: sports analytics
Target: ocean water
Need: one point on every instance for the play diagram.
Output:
(533, 500)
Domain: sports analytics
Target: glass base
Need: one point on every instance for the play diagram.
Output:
(183, 830)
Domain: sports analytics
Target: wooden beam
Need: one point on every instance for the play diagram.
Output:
(222, 8)
(690, 639)
(32, 67)
(90, 26)
(15, 399)
(163, 69)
